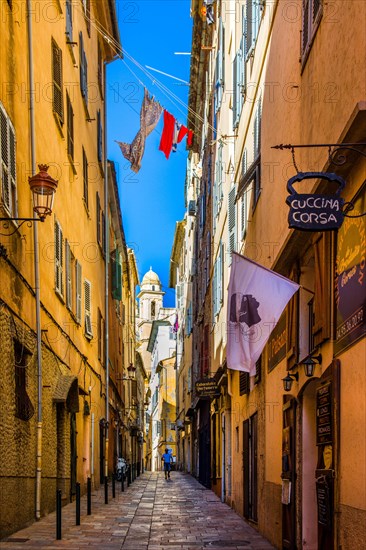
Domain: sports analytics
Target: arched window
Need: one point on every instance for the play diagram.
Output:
(153, 310)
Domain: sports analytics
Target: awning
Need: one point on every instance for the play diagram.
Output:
(67, 391)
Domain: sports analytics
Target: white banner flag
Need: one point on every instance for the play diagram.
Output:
(257, 297)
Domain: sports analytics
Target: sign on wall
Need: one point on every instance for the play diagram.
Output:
(207, 387)
(324, 432)
(277, 343)
(315, 212)
(350, 291)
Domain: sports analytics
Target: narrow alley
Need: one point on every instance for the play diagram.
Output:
(150, 514)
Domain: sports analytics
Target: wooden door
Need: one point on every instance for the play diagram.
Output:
(289, 473)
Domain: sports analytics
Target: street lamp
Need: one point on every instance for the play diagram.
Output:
(131, 371)
(309, 364)
(43, 188)
(288, 380)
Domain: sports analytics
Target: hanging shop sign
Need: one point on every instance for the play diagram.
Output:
(277, 343)
(207, 387)
(315, 212)
(350, 285)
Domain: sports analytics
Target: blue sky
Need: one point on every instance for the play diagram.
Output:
(153, 199)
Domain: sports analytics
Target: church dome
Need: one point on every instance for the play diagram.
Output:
(151, 278)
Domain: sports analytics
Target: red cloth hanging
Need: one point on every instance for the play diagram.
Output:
(182, 132)
(189, 138)
(166, 142)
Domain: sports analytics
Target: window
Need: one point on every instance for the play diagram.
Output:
(239, 79)
(59, 261)
(87, 311)
(57, 87)
(85, 179)
(8, 165)
(217, 198)
(153, 310)
(83, 69)
(251, 22)
(101, 337)
(188, 323)
(99, 216)
(220, 67)
(23, 405)
(100, 69)
(69, 20)
(244, 383)
(70, 127)
(116, 268)
(231, 223)
(78, 291)
(312, 11)
(86, 9)
(244, 198)
(218, 281)
(99, 136)
(70, 270)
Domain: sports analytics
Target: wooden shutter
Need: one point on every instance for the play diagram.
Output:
(305, 24)
(78, 291)
(86, 179)
(5, 172)
(249, 25)
(83, 69)
(257, 131)
(68, 275)
(235, 91)
(70, 127)
(244, 383)
(221, 275)
(58, 259)
(246, 472)
(99, 136)
(69, 20)
(98, 215)
(116, 276)
(87, 16)
(292, 325)
(322, 244)
(58, 107)
(214, 290)
(88, 325)
(104, 236)
(231, 223)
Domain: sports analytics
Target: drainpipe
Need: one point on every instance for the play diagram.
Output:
(106, 222)
(36, 272)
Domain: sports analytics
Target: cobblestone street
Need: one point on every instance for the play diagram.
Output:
(151, 514)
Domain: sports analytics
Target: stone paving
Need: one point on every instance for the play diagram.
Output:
(152, 514)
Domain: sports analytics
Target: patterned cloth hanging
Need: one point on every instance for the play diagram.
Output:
(149, 117)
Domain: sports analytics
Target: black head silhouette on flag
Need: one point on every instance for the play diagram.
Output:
(244, 309)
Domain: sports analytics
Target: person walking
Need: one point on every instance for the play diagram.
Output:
(167, 459)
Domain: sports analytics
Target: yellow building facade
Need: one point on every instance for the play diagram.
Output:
(266, 74)
(52, 107)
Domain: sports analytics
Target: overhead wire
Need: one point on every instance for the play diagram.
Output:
(119, 51)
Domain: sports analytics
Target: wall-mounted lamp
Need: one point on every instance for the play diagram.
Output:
(287, 381)
(43, 189)
(131, 371)
(309, 364)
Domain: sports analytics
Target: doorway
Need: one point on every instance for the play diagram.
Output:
(250, 463)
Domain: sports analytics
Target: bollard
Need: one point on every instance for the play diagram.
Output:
(58, 514)
(123, 482)
(88, 489)
(105, 490)
(77, 501)
(113, 486)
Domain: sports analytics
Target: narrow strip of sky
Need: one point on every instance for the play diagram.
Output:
(153, 199)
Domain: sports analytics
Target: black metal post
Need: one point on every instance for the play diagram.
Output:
(113, 486)
(58, 514)
(77, 503)
(88, 489)
(122, 482)
(105, 490)
(129, 476)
